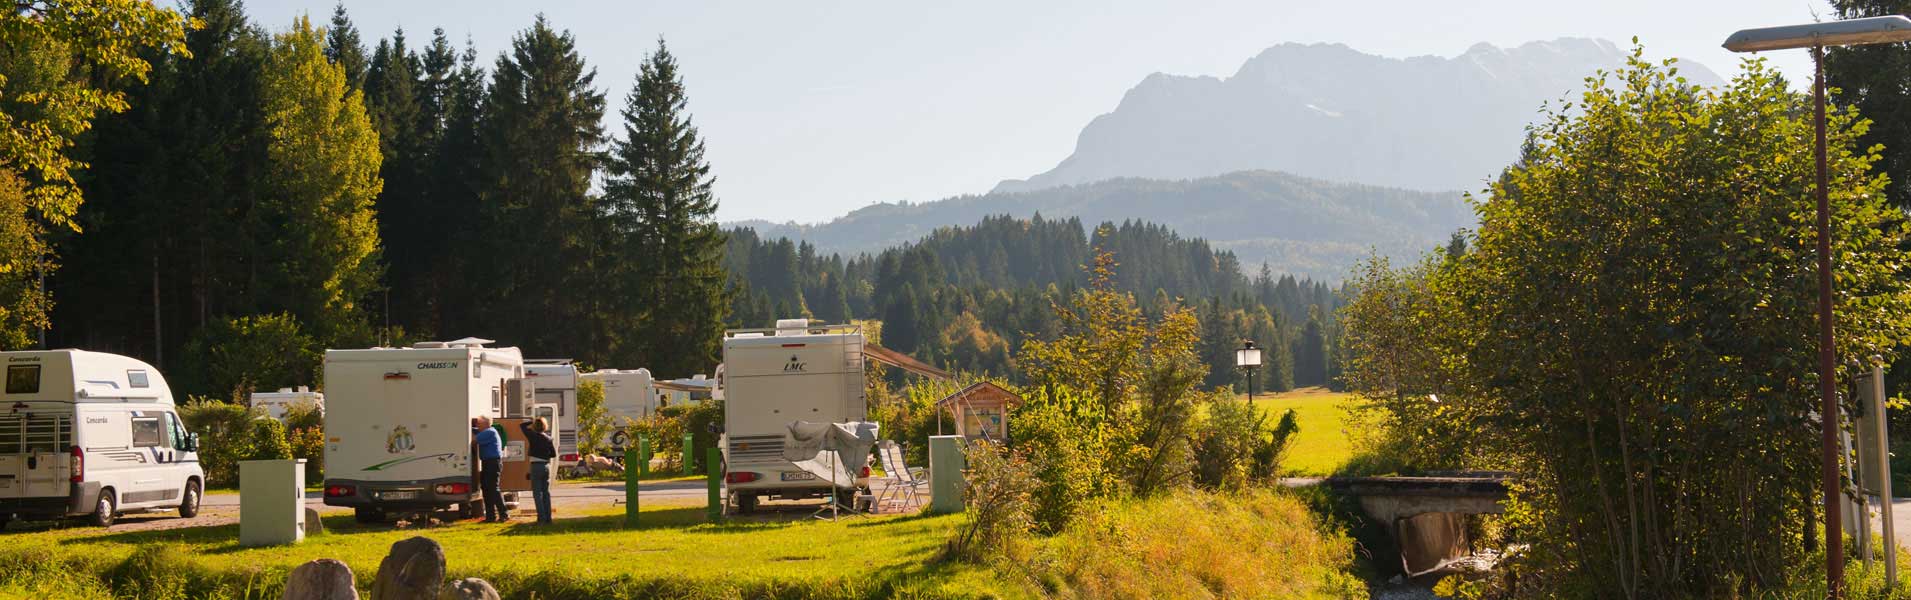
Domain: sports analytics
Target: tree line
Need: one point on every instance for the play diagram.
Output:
(263, 196)
(966, 297)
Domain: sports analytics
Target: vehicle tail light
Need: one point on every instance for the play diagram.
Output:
(453, 489)
(79, 465)
(740, 477)
(568, 457)
(334, 491)
(865, 470)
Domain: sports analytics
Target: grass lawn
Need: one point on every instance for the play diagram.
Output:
(673, 553)
(1322, 446)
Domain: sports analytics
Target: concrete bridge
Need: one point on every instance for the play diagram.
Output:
(1426, 515)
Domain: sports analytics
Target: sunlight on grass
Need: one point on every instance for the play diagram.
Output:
(1322, 446)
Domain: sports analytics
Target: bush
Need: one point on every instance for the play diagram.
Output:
(225, 437)
(1065, 456)
(269, 440)
(698, 418)
(997, 511)
(1235, 448)
(593, 424)
(234, 356)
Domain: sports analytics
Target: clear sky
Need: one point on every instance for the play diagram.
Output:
(813, 109)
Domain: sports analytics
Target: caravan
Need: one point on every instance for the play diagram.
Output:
(276, 404)
(628, 396)
(556, 382)
(93, 434)
(772, 379)
(398, 424)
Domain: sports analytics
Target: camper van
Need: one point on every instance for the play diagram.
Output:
(628, 396)
(398, 424)
(556, 381)
(275, 404)
(92, 434)
(775, 377)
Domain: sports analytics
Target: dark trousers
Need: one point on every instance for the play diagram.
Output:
(541, 490)
(488, 481)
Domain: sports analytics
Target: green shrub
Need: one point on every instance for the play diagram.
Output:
(1234, 446)
(269, 440)
(593, 424)
(698, 418)
(997, 504)
(1066, 458)
(225, 437)
(234, 356)
(305, 432)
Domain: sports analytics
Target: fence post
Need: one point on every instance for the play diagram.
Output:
(689, 453)
(630, 488)
(643, 455)
(713, 464)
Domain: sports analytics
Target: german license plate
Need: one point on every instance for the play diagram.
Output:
(798, 476)
(6, 483)
(398, 495)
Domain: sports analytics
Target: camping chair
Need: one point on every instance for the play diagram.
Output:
(902, 485)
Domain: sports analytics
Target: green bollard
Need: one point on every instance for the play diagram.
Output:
(689, 454)
(643, 456)
(713, 463)
(630, 488)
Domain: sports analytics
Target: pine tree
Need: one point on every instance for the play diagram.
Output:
(541, 131)
(456, 178)
(669, 250)
(1310, 351)
(343, 48)
(1876, 79)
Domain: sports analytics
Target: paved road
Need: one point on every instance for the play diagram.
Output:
(565, 493)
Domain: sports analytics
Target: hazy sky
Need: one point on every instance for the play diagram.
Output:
(813, 109)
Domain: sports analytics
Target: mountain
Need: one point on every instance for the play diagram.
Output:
(1331, 112)
(1303, 226)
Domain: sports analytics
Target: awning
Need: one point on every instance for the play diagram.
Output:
(904, 362)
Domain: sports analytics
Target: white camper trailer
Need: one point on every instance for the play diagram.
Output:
(92, 434)
(398, 424)
(556, 381)
(628, 396)
(275, 404)
(772, 379)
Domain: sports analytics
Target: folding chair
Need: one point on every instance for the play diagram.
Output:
(902, 485)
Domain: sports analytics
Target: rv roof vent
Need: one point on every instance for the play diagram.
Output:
(749, 334)
(792, 326)
(303, 389)
(287, 390)
(644, 372)
(429, 345)
(697, 377)
(469, 342)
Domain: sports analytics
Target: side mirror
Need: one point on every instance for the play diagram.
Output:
(192, 443)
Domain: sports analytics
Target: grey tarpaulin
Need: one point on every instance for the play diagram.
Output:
(833, 452)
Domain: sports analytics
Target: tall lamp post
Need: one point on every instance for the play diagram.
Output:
(1816, 36)
(1248, 358)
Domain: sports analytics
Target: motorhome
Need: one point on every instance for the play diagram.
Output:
(275, 404)
(556, 381)
(92, 434)
(628, 396)
(774, 378)
(398, 438)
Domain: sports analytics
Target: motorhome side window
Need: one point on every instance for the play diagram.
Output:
(136, 378)
(23, 379)
(497, 401)
(146, 432)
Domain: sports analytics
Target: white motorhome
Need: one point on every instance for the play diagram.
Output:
(776, 377)
(398, 424)
(275, 404)
(94, 434)
(556, 381)
(628, 396)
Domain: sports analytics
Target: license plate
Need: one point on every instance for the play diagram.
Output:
(402, 495)
(6, 483)
(798, 476)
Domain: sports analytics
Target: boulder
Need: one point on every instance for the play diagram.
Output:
(469, 588)
(414, 570)
(313, 526)
(322, 579)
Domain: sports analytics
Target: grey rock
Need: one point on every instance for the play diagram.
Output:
(414, 570)
(469, 588)
(322, 579)
(313, 526)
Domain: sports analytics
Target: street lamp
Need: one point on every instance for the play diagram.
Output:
(1248, 358)
(1875, 30)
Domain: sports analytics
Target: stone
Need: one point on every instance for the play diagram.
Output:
(414, 570)
(469, 588)
(322, 579)
(313, 526)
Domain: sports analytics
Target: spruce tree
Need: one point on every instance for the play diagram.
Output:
(667, 246)
(343, 48)
(541, 129)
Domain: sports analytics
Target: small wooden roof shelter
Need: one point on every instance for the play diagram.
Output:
(980, 411)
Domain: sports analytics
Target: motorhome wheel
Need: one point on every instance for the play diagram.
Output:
(105, 509)
(746, 503)
(189, 504)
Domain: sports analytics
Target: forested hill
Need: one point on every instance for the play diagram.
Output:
(965, 297)
(1308, 227)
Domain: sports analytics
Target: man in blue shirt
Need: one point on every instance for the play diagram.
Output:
(490, 451)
